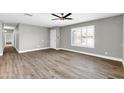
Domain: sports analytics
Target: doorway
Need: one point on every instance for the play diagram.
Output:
(53, 38)
(8, 42)
(8, 38)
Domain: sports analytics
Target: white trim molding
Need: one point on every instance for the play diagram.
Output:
(92, 54)
(24, 51)
(17, 49)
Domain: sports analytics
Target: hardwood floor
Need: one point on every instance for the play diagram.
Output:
(50, 64)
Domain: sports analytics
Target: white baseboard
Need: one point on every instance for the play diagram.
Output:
(24, 51)
(17, 50)
(96, 55)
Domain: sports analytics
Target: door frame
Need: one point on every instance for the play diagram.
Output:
(12, 39)
(51, 42)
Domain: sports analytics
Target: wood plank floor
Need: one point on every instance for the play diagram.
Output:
(51, 64)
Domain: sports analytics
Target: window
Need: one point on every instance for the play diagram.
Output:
(83, 36)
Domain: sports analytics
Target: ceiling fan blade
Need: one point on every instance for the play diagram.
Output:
(27, 14)
(67, 15)
(69, 18)
(56, 15)
(55, 19)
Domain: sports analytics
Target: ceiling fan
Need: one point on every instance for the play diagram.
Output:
(62, 16)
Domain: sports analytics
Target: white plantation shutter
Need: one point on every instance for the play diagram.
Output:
(83, 36)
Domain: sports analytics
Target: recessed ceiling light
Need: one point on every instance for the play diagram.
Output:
(27, 14)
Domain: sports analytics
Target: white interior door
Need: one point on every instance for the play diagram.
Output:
(53, 38)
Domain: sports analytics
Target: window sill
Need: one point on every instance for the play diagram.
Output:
(82, 46)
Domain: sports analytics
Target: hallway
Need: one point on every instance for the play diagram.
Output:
(9, 50)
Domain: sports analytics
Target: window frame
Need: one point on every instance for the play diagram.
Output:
(86, 46)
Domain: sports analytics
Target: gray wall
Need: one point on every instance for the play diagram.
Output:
(3, 36)
(1, 42)
(123, 39)
(57, 37)
(32, 37)
(108, 36)
(16, 37)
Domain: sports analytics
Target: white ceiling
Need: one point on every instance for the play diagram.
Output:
(44, 19)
